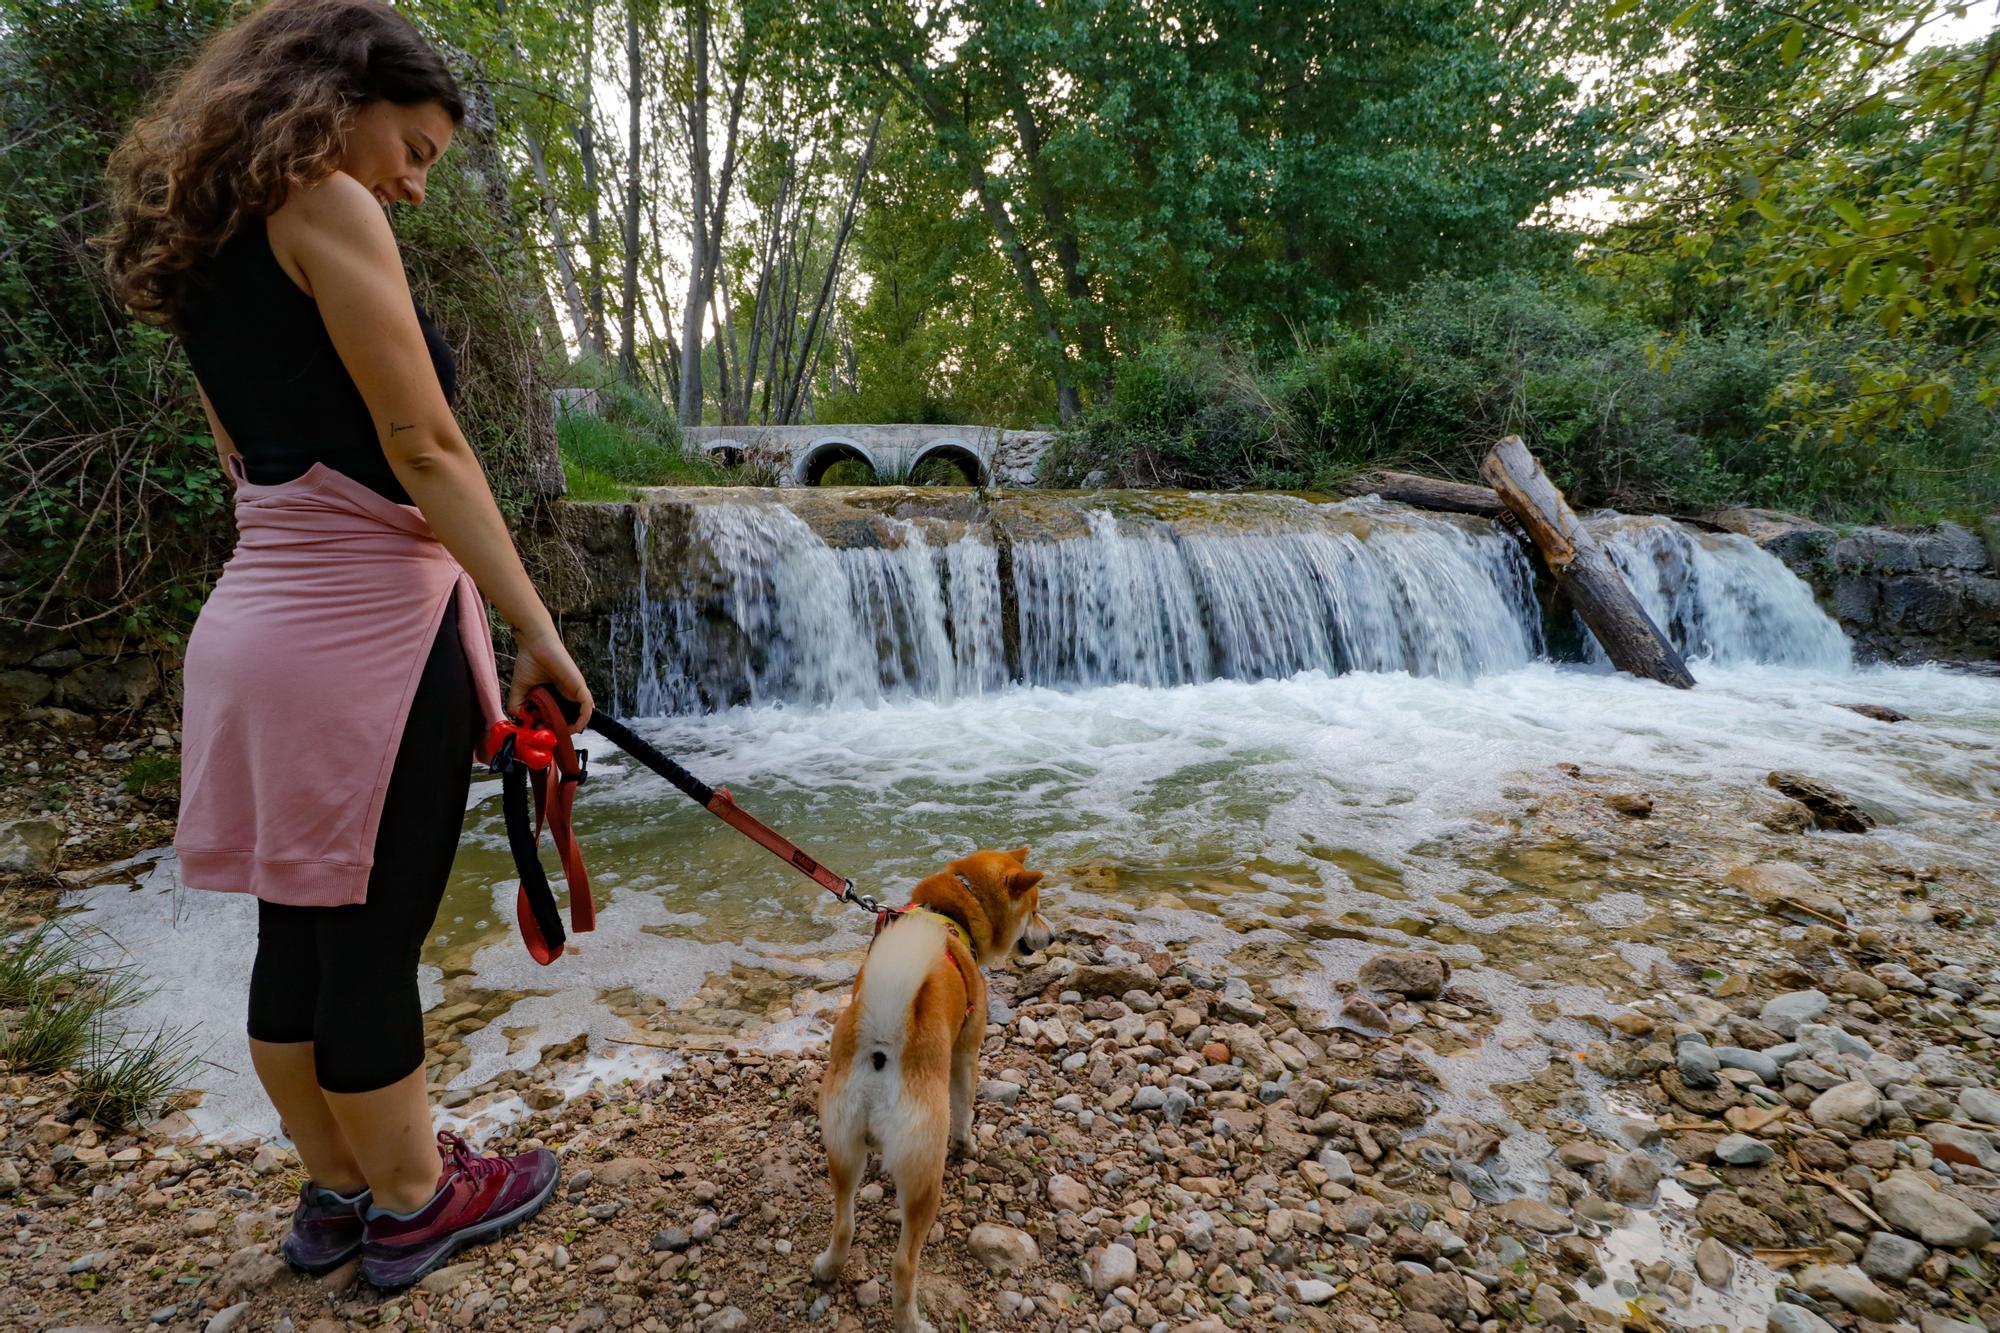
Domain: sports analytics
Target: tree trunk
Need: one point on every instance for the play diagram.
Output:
(809, 353)
(586, 147)
(1451, 497)
(628, 324)
(538, 162)
(1582, 568)
(697, 297)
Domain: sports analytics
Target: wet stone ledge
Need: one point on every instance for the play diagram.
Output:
(1902, 594)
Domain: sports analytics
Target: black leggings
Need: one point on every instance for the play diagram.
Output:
(345, 978)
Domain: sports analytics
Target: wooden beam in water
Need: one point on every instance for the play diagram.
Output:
(1582, 568)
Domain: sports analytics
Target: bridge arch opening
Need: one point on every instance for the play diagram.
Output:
(723, 453)
(947, 463)
(837, 463)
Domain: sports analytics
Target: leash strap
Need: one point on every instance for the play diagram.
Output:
(718, 802)
(536, 755)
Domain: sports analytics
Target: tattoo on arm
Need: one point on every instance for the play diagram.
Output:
(396, 428)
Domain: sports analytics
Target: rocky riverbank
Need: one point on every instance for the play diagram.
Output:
(1803, 1145)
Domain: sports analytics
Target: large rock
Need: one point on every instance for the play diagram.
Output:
(1783, 1013)
(1876, 551)
(1003, 1249)
(29, 846)
(1892, 1258)
(1848, 1286)
(1949, 546)
(23, 689)
(1734, 1222)
(1830, 809)
(1117, 1266)
(1099, 980)
(1796, 1319)
(110, 687)
(1633, 1177)
(1799, 542)
(1920, 603)
(246, 1272)
(1909, 1204)
(1847, 1107)
(1440, 1294)
(1421, 976)
(1962, 1146)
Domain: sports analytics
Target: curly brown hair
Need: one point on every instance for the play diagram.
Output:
(265, 107)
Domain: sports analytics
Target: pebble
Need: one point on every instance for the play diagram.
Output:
(1793, 1319)
(227, 1318)
(1742, 1150)
(1849, 1107)
(1892, 1258)
(1713, 1262)
(1004, 1249)
(1117, 1266)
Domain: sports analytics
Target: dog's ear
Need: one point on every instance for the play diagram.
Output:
(1019, 856)
(1021, 881)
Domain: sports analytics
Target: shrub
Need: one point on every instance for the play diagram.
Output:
(128, 1077)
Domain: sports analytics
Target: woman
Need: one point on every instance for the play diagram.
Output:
(338, 680)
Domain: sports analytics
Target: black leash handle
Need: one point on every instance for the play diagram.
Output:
(623, 737)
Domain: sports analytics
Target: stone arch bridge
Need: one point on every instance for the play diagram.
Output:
(802, 455)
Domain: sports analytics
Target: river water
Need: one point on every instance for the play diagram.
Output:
(1291, 746)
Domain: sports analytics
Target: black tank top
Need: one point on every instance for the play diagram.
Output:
(259, 347)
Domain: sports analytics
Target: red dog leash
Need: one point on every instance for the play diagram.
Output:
(536, 753)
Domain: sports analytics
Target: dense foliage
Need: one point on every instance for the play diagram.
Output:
(1695, 252)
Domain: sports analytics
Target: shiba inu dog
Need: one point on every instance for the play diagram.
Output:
(900, 1075)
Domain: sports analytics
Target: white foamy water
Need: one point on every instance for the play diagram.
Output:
(1386, 800)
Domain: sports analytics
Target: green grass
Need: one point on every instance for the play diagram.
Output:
(132, 1077)
(45, 960)
(151, 775)
(59, 997)
(849, 472)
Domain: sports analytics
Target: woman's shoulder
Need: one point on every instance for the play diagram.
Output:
(337, 211)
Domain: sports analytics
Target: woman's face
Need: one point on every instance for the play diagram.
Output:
(391, 148)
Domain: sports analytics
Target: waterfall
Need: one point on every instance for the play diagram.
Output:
(754, 604)
(1157, 606)
(1719, 596)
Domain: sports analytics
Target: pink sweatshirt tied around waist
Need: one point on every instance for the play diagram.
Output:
(299, 675)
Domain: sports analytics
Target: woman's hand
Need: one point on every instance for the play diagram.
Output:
(542, 660)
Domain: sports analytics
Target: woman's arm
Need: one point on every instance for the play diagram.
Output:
(337, 235)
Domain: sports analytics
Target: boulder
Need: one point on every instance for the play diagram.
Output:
(1421, 976)
(29, 846)
(1876, 551)
(1848, 1107)
(1948, 546)
(1799, 542)
(1830, 809)
(110, 687)
(1908, 1203)
(1004, 1249)
(23, 689)
(1847, 1286)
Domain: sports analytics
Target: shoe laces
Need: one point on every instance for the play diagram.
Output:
(460, 1158)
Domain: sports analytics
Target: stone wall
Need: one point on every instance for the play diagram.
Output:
(1902, 594)
(71, 680)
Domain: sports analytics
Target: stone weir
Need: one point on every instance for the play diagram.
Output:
(701, 598)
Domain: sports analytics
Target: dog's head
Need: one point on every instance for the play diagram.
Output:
(1009, 898)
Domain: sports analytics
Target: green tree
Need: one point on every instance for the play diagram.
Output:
(1853, 199)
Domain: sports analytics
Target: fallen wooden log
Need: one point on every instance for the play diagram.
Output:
(1581, 567)
(1452, 497)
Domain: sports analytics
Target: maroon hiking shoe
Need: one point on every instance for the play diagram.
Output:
(478, 1199)
(326, 1229)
